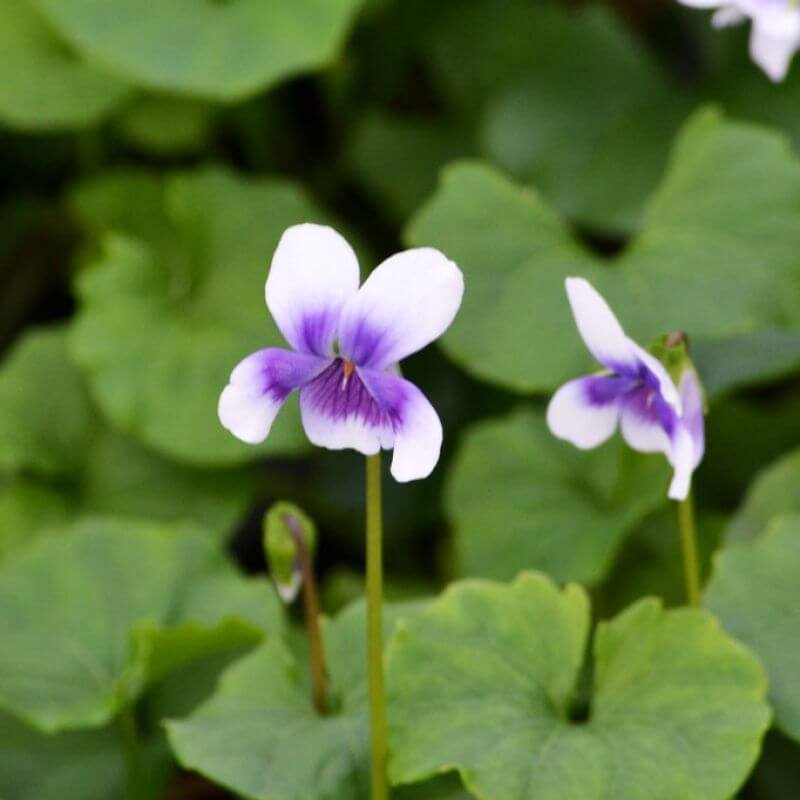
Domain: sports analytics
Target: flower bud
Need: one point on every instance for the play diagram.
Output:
(289, 536)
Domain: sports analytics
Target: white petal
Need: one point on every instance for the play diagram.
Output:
(703, 3)
(728, 16)
(259, 386)
(682, 459)
(573, 416)
(407, 302)
(693, 413)
(314, 272)
(417, 428)
(599, 328)
(641, 423)
(772, 52)
(341, 414)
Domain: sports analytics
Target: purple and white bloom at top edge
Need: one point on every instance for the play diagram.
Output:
(347, 342)
(636, 392)
(775, 32)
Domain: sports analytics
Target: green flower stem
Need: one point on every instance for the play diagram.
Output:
(691, 562)
(377, 698)
(319, 674)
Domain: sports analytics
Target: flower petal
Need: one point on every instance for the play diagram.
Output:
(417, 428)
(407, 302)
(659, 376)
(682, 459)
(646, 421)
(772, 51)
(258, 387)
(339, 413)
(693, 413)
(599, 328)
(314, 272)
(727, 16)
(585, 411)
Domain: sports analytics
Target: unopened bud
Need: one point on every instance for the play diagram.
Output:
(289, 536)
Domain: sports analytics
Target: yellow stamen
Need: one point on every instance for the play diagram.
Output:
(348, 366)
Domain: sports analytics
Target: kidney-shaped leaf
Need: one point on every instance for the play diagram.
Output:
(169, 309)
(519, 498)
(260, 736)
(485, 681)
(220, 49)
(92, 614)
(44, 86)
(515, 327)
(754, 591)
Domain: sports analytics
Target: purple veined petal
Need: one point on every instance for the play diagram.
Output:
(259, 386)
(314, 272)
(693, 413)
(417, 428)
(407, 302)
(600, 329)
(658, 376)
(647, 421)
(682, 459)
(585, 410)
(339, 413)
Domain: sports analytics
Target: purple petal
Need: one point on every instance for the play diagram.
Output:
(314, 272)
(647, 420)
(338, 412)
(693, 413)
(258, 387)
(407, 302)
(585, 410)
(417, 428)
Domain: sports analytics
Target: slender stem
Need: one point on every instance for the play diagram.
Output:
(691, 562)
(319, 674)
(130, 736)
(377, 698)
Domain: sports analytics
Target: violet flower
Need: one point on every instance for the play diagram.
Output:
(775, 30)
(636, 392)
(347, 344)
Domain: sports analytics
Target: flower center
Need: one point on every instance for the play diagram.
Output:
(348, 367)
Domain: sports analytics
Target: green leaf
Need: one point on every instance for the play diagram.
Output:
(590, 119)
(43, 84)
(166, 316)
(260, 736)
(93, 614)
(753, 590)
(217, 50)
(516, 251)
(485, 681)
(63, 463)
(519, 498)
(166, 125)
(398, 158)
(774, 493)
(89, 765)
(45, 415)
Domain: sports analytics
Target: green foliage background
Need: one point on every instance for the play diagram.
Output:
(151, 154)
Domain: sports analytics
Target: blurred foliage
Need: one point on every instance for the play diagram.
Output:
(152, 154)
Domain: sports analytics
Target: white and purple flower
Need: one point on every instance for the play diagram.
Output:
(775, 33)
(347, 344)
(636, 392)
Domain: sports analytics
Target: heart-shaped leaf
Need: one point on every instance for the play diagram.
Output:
(515, 327)
(260, 736)
(485, 681)
(61, 462)
(219, 49)
(519, 498)
(169, 310)
(774, 493)
(753, 590)
(92, 614)
(44, 86)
